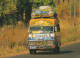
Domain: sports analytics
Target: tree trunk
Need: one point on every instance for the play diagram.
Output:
(28, 10)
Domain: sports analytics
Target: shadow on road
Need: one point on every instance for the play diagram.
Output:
(66, 52)
(50, 52)
(41, 53)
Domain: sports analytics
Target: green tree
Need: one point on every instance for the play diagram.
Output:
(21, 7)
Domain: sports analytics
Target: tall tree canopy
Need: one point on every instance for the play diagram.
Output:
(43, 2)
(17, 8)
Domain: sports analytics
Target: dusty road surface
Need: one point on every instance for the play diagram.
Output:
(70, 51)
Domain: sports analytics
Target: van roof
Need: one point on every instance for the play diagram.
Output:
(50, 22)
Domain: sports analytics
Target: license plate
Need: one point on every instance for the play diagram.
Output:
(32, 47)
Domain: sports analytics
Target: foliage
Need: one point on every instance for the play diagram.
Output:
(7, 6)
(21, 7)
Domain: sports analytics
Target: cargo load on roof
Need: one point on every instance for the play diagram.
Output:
(43, 11)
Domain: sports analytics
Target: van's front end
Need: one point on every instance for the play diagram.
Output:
(41, 36)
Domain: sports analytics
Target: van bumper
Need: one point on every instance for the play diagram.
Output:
(42, 47)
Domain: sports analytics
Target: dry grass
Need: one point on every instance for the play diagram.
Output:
(13, 40)
(69, 32)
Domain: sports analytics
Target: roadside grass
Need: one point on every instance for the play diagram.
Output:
(69, 32)
(15, 51)
(13, 40)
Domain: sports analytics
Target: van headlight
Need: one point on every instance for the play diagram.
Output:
(29, 35)
(51, 35)
(32, 35)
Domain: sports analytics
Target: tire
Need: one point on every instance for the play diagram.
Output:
(56, 50)
(32, 51)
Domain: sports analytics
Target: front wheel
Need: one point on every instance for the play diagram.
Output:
(32, 51)
(56, 50)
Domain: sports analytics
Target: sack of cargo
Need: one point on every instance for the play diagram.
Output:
(39, 14)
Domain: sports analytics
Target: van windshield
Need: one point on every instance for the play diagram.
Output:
(35, 28)
(42, 28)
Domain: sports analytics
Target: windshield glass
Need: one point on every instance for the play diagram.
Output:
(42, 28)
(47, 28)
(35, 28)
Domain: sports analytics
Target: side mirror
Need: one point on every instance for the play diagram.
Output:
(55, 29)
